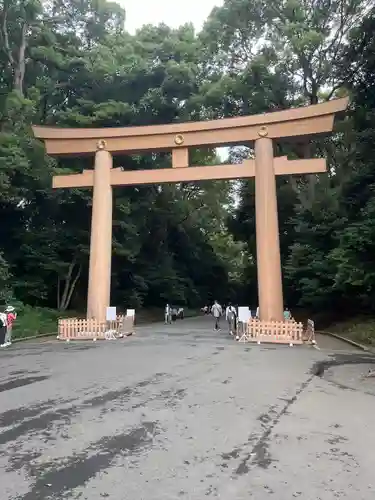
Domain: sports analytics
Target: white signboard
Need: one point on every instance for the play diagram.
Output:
(130, 313)
(244, 314)
(111, 314)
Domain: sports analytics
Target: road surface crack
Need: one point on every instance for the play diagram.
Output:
(259, 455)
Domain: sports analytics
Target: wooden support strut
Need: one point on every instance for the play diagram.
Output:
(120, 177)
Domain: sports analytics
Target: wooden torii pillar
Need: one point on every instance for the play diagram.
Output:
(262, 130)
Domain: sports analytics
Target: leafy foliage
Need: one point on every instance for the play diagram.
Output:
(72, 63)
(311, 51)
(77, 66)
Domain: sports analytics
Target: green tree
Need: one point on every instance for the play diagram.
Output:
(81, 68)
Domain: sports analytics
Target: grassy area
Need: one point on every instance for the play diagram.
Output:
(33, 321)
(360, 329)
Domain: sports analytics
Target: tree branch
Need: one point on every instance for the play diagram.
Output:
(4, 33)
(197, 209)
(58, 292)
(72, 288)
(67, 280)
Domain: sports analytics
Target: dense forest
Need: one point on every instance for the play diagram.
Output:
(72, 63)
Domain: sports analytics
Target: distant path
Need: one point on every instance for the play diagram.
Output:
(180, 411)
(333, 344)
(202, 325)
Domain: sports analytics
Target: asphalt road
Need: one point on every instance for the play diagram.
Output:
(181, 412)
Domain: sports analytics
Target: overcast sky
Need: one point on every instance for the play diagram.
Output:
(174, 13)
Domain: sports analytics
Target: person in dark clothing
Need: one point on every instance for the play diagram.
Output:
(174, 313)
(3, 329)
(231, 317)
(217, 311)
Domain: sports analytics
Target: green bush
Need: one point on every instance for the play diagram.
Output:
(33, 321)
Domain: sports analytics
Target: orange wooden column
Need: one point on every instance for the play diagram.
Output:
(99, 287)
(270, 289)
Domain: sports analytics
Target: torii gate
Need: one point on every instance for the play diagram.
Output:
(260, 130)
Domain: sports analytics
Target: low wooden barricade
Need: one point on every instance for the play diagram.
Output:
(92, 329)
(280, 332)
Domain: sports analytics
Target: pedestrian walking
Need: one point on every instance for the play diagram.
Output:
(3, 328)
(216, 311)
(167, 314)
(174, 313)
(231, 317)
(11, 318)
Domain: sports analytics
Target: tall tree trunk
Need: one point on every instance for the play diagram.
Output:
(17, 63)
(5, 36)
(73, 286)
(70, 282)
(67, 281)
(58, 293)
(20, 65)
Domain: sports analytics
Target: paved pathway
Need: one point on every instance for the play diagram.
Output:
(332, 344)
(181, 412)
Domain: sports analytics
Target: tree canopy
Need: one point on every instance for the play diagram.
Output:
(73, 64)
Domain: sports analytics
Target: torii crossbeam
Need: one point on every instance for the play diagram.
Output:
(259, 130)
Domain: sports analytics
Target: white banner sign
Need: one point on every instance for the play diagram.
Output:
(244, 314)
(111, 314)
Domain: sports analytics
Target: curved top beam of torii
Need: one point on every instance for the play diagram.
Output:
(304, 121)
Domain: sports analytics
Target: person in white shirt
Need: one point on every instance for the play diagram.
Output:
(167, 314)
(231, 317)
(216, 311)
